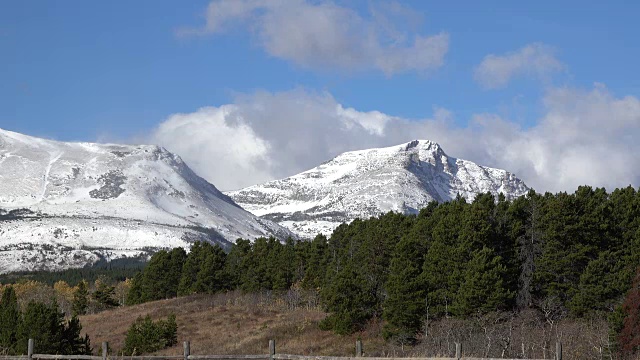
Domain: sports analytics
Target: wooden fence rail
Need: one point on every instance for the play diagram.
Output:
(271, 356)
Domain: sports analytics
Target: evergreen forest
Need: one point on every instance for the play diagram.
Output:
(561, 255)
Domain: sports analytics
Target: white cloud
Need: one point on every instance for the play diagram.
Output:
(218, 144)
(584, 137)
(325, 35)
(537, 60)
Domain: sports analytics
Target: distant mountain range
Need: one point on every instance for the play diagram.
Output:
(71, 204)
(66, 205)
(361, 184)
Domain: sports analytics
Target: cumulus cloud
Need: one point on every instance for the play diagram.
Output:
(584, 137)
(325, 35)
(218, 144)
(536, 60)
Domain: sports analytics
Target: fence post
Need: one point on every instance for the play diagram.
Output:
(272, 349)
(458, 350)
(187, 350)
(358, 348)
(105, 349)
(30, 346)
(558, 350)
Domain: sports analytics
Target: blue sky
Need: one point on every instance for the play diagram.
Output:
(120, 70)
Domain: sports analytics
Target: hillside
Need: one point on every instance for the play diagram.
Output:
(68, 205)
(231, 324)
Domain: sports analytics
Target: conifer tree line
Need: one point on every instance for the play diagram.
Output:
(570, 255)
(44, 323)
(117, 271)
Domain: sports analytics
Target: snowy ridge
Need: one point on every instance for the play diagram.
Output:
(361, 184)
(89, 201)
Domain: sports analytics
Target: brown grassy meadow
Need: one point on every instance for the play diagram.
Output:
(232, 323)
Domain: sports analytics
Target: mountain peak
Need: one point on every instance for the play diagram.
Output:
(421, 144)
(88, 201)
(412, 144)
(426, 146)
(365, 183)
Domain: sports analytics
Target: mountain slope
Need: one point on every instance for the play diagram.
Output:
(361, 184)
(88, 201)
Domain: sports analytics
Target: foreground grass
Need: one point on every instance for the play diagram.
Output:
(234, 323)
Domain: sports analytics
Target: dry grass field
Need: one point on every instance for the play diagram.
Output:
(236, 323)
(233, 323)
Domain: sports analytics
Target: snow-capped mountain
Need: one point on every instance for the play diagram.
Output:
(361, 184)
(70, 204)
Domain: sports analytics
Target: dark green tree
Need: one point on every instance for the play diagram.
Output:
(255, 266)
(349, 303)
(526, 230)
(72, 343)
(482, 289)
(444, 259)
(237, 263)
(405, 305)
(134, 295)
(105, 295)
(577, 228)
(601, 285)
(145, 336)
(160, 279)
(316, 261)
(10, 318)
(80, 299)
(282, 259)
(211, 277)
(43, 323)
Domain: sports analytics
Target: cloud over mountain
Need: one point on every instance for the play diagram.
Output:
(583, 137)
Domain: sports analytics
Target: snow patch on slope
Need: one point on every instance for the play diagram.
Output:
(365, 183)
(105, 196)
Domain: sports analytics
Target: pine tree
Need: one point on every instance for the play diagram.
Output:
(10, 318)
(177, 259)
(80, 299)
(601, 284)
(160, 279)
(526, 229)
(134, 295)
(211, 277)
(316, 262)
(72, 342)
(284, 264)
(105, 294)
(169, 331)
(254, 266)
(43, 323)
(445, 258)
(145, 335)
(577, 227)
(347, 300)
(191, 268)
(405, 305)
(482, 289)
(236, 263)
